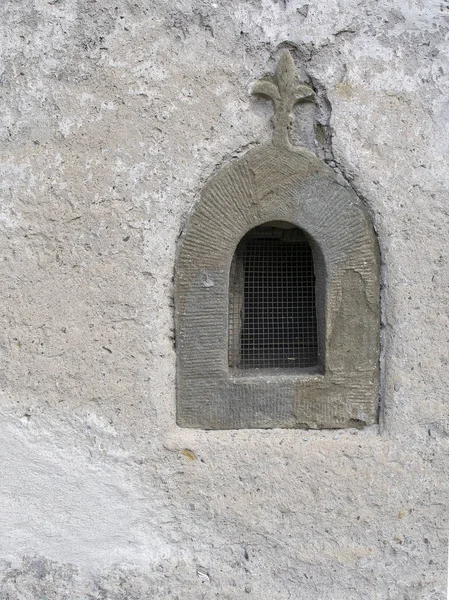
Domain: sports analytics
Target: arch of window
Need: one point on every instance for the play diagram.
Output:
(256, 368)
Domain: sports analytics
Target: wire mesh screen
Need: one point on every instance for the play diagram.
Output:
(272, 314)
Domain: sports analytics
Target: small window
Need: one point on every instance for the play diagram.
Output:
(277, 303)
(272, 311)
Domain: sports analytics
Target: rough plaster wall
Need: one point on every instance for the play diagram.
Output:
(113, 116)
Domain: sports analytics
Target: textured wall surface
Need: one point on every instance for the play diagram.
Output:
(113, 116)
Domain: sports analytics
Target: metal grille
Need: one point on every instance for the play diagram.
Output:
(272, 314)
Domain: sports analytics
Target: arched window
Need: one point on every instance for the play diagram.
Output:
(277, 303)
(272, 310)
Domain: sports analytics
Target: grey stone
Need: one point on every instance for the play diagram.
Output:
(277, 182)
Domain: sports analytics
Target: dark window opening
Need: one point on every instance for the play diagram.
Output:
(272, 311)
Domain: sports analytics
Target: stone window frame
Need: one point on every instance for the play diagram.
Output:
(276, 182)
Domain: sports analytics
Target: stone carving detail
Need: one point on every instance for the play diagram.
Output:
(285, 90)
(276, 182)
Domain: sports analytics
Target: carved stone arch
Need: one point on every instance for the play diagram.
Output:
(275, 182)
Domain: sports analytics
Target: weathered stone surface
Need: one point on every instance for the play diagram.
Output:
(113, 117)
(277, 183)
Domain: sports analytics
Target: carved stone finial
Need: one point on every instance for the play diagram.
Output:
(285, 90)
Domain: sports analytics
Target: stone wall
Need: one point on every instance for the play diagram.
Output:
(113, 116)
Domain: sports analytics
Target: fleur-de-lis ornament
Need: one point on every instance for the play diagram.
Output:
(285, 90)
